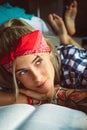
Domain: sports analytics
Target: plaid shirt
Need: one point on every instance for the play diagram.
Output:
(73, 66)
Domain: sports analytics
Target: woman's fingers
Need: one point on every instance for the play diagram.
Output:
(33, 94)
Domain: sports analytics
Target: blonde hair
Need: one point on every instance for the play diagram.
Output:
(56, 61)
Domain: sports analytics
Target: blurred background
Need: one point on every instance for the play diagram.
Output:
(42, 8)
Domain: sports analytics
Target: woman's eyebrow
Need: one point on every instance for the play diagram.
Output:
(36, 58)
(19, 70)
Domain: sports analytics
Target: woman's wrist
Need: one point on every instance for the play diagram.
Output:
(30, 101)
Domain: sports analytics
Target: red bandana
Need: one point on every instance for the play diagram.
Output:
(30, 43)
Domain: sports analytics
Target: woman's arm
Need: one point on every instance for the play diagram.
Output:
(7, 98)
(73, 98)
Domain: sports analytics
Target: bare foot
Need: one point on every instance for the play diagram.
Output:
(58, 25)
(70, 16)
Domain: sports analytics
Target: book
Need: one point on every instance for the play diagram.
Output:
(43, 117)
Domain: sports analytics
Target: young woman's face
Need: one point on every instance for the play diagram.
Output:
(36, 72)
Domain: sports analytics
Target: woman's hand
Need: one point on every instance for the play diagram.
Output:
(36, 97)
(33, 94)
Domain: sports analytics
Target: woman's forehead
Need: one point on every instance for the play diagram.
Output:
(31, 57)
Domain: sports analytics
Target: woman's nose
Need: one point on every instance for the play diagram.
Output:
(36, 74)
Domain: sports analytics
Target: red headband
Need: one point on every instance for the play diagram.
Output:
(30, 43)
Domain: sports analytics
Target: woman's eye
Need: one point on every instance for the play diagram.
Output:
(38, 62)
(23, 72)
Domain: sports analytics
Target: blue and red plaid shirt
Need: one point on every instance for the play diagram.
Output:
(73, 66)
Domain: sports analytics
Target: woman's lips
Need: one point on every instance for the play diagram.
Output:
(41, 85)
(42, 88)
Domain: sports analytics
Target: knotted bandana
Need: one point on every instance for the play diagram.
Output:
(30, 43)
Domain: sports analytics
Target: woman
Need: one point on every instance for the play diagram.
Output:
(39, 58)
